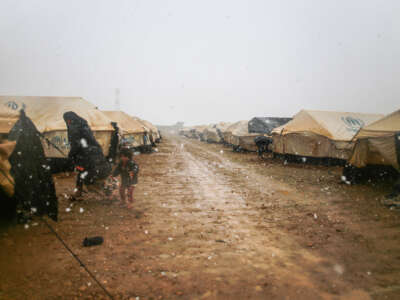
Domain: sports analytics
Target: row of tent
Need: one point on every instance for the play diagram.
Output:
(34, 145)
(47, 115)
(360, 139)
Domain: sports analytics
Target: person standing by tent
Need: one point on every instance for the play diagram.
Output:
(85, 153)
(112, 153)
(128, 169)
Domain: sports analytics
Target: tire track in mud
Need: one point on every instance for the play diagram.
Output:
(229, 196)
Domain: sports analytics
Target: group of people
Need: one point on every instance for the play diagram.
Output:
(92, 166)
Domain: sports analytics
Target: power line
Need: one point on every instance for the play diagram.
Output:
(77, 259)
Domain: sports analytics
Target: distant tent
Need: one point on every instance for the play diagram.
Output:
(131, 129)
(185, 131)
(26, 178)
(210, 134)
(378, 143)
(153, 130)
(321, 134)
(237, 135)
(192, 133)
(221, 129)
(265, 125)
(200, 131)
(148, 135)
(47, 114)
(227, 133)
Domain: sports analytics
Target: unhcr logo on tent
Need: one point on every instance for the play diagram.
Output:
(15, 106)
(353, 124)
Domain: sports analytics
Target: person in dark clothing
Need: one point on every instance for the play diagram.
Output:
(33, 184)
(128, 169)
(112, 153)
(85, 152)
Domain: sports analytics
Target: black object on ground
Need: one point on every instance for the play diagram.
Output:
(93, 241)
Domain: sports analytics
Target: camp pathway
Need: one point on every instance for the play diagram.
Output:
(211, 224)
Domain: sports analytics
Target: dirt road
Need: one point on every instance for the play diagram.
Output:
(212, 224)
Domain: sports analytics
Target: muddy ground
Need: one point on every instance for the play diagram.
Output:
(208, 223)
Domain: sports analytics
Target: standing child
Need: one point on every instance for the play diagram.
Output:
(128, 169)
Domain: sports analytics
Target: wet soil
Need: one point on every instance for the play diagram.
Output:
(209, 223)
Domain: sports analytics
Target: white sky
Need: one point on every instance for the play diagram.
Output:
(205, 61)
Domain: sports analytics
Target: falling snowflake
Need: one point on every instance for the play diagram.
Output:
(84, 143)
(81, 210)
(338, 269)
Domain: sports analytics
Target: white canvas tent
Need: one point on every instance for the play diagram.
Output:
(131, 130)
(47, 114)
(376, 143)
(322, 134)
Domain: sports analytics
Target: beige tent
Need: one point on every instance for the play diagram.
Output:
(200, 129)
(227, 132)
(8, 117)
(196, 132)
(153, 129)
(239, 137)
(222, 128)
(147, 128)
(210, 134)
(6, 180)
(47, 114)
(323, 134)
(185, 131)
(131, 129)
(376, 144)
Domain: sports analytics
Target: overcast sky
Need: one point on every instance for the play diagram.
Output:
(205, 61)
